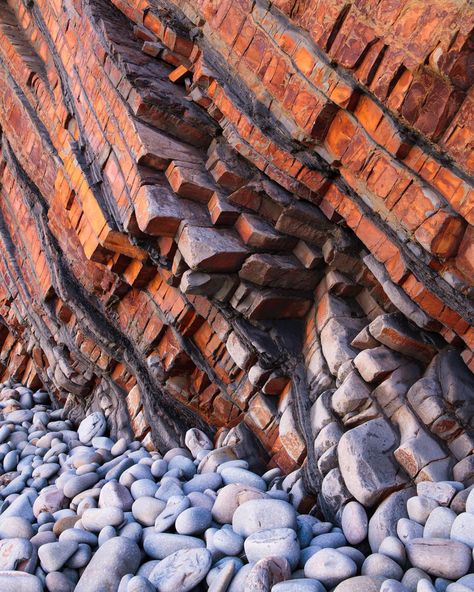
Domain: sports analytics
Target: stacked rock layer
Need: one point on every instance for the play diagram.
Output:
(250, 216)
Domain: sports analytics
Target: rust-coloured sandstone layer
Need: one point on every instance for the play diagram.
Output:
(253, 217)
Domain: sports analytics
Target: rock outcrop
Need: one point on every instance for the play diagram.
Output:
(249, 217)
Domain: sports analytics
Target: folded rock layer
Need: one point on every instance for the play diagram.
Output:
(247, 216)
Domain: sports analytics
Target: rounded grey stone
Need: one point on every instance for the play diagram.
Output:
(143, 488)
(276, 542)
(93, 425)
(53, 556)
(383, 566)
(115, 494)
(16, 581)
(408, 530)
(183, 570)
(174, 506)
(354, 522)
(299, 585)
(146, 509)
(330, 567)
(393, 547)
(440, 557)
(439, 523)
(160, 545)
(419, 507)
(115, 558)
(243, 476)
(14, 551)
(463, 529)
(360, 584)
(263, 514)
(227, 541)
(193, 521)
(94, 519)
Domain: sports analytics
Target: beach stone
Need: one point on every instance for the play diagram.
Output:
(79, 484)
(140, 584)
(385, 518)
(50, 499)
(354, 522)
(174, 506)
(143, 488)
(440, 557)
(95, 519)
(330, 540)
(244, 477)
(182, 570)
(357, 556)
(197, 440)
(13, 552)
(221, 581)
(64, 523)
(299, 585)
(56, 581)
(230, 497)
(159, 468)
(219, 565)
(463, 529)
(114, 559)
(15, 581)
(237, 583)
(412, 576)
(420, 507)
(439, 523)
(54, 555)
(441, 492)
(378, 564)
(107, 532)
(81, 557)
(470, 502)
(92, 426)
(276, 542)
(408, 530)
(15, 527)
(161, 545)
(193, 521)
(366, 461)
(263, 514)
(79, 535)
(360, 584)
(267, 572)
(183, 464)
(425, 586)
(393, 586)
(393, 547)
(330, 567)
(227, 541)
(202, 482)
(146, 509)
(117, 495)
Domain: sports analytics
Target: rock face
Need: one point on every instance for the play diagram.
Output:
(223, 215)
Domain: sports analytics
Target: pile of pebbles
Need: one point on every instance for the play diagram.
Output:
(83, 512)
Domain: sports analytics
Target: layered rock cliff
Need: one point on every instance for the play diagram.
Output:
(255, 218)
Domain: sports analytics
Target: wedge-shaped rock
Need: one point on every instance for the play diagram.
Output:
(278, 271)
(159, 211)
(157, 149)
(211, 249)
(393, 331)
